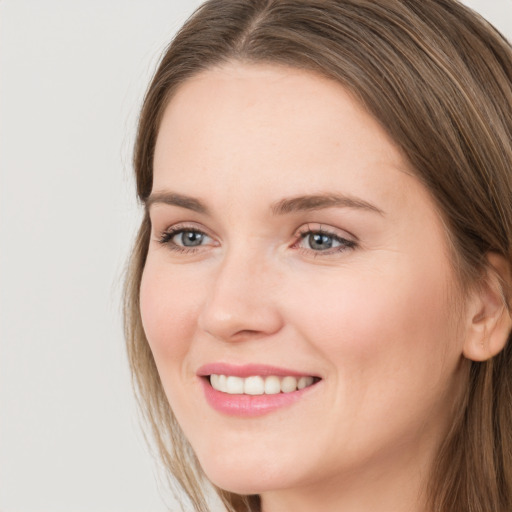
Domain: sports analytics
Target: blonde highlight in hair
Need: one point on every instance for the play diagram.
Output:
(439, 80)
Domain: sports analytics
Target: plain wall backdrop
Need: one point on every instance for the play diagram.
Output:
(72, 77)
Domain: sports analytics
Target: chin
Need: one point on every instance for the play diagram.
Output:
(244, 485)
(245, 477)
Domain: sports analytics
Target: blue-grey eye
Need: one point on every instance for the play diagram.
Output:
(320, 241)
(190, 238)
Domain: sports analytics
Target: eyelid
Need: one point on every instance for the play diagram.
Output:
(164, 237)
(193, 226)
(187, 226)
(346, 243)
(328, 230)
(345, 239)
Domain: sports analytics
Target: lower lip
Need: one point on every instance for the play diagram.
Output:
(250, 405)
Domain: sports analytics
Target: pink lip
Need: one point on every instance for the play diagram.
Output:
(247, 370)
(248, 405)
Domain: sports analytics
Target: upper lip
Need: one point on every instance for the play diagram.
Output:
(248, 370)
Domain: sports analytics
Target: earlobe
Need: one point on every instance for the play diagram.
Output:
(489, 316)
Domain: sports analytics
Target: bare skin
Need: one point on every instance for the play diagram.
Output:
(369, 310)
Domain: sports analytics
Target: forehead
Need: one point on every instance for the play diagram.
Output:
(242, 128)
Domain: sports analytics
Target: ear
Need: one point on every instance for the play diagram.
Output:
(489, 320)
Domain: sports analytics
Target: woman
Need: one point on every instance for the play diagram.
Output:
(318, 303)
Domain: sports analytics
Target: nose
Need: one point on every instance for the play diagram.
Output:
(241, 302)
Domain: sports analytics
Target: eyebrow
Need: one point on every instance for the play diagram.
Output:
(173, 199)
(282, 207)
(321, 201)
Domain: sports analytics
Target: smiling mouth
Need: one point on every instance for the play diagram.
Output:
(259, 385)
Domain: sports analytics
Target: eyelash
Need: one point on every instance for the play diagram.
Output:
(167, 236)
(345, 244)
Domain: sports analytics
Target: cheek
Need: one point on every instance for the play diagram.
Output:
(389, 340)
(168, 309)
(381, 326)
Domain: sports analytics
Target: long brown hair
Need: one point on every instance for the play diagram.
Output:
(439, 80)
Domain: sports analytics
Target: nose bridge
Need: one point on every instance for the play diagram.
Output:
(239, 299)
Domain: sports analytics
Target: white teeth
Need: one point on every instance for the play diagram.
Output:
(288, 384)
(256, 385)
(222, 383)
(234, 385)
(304, 382)
(219, 382)
(272, 386)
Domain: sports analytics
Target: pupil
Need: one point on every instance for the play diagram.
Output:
(191, 238)
(319, 241)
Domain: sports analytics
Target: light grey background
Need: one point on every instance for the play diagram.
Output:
(72, 76)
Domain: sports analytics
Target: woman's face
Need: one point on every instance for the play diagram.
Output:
(291, 243)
